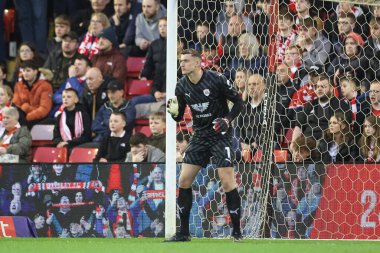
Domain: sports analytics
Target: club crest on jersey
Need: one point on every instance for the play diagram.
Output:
(206, 92)
(201, 107)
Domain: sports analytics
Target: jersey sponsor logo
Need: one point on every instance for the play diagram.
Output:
(200, 107)
(206, 92)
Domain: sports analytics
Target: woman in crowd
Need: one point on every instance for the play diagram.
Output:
(369, 143)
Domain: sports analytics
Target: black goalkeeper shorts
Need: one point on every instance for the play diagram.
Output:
(217, 147)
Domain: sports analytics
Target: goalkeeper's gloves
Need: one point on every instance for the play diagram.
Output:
(221, 125)
(173, 106)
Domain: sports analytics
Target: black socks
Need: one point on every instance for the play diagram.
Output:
(185, 200)
(234, 206)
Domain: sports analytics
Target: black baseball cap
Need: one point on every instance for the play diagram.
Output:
(72, 35)
(115, 85)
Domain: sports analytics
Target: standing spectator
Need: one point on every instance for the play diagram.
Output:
(369, 143)
(109, 59)
(157, 124)
(147, 26)
(33, 95)
(32, 21)
(62, 26)
(16, 139)
(286, 33)
(116, 103)
(60, 61)
(89, 45)
(142, 152)
(73, 125)
(115, 146)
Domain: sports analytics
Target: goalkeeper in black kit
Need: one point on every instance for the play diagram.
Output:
(206, 92)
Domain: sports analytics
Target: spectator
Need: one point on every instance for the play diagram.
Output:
(260, 20)
(72, 126)
(372, 48)
(76, 80)
(27, 52)
(142, 152)
(250, 57)
(371, 104)
(157, 124)
(94, 94)
(3, 75)
(337, 144)
(62, 26)
(209, 56)
(39, 222)
(116, 103)
(115, 146)
(6, 96)
(16, 139)
(369, 143)
(241, 79)
(60, 61)
(302, 149)
(82, 21)
(350, 90)
(33, 95)
(89, 45)
(202, 30)
(61, 219)
(293, 58)
(32, 21)
(183, 138)
(124, 21)
(304, 9)
(346, 25)
(109, 59)
(231, 7)
(147, 26)
(286, 34)
(313, 119)
(316, 47)
(155, 65)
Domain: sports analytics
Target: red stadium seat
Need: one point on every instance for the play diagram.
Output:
(257, 158)
(83, 155)
(280, 156)
(50, 155)
(138, 87)
(135, 66)
(143, 129)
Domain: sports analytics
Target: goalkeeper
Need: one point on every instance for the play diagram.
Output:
(206, 93)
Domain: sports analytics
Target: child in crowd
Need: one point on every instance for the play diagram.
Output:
(157, 123)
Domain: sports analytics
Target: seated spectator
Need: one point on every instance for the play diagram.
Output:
(316, 47)
(183, 138)
(33, 95)
(250, 57)
(94, 93)
(231, 7)
(313, 119)
(16, 139)
(82, 19)
(3, 75)
(142, 152)
(26, 52)
(306, 9)
(241, 79)
(250, 120)
(350, 90)
(77, 80)
(6, 96)
(147, 26)
(369, 143)
(124, 22)
(302, 149)
(352, 59)
(337, 144)
(109, 59)
(210, 58)
(286, 33)
(72, 126)
(59, 61)
(202, 29)
(293, 58)
(371, 104)
(89, 45)
(157, 124)
(116, 103)
(115, 146)
(62, 26)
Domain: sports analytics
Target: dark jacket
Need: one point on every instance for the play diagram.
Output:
(347, 152)
(155, 65)
(158, 141)
(21, 145)
(114, 149)
(70, 121)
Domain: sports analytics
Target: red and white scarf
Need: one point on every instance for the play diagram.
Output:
(6, 139)
(64, 129)
(281, 47)
(89, 46)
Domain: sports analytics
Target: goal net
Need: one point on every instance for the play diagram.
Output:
(306, 142)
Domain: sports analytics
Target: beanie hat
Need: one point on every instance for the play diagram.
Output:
(356, 37)
(110, 34)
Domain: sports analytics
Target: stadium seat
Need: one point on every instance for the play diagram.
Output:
(143, 129)
(280, 156)
(258, 156)
(42, 135)
(83, 155)
(135, 66)
(50, 155)
(138, 87)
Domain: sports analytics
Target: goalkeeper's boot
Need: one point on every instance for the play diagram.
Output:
(178, 237)
(237, 237)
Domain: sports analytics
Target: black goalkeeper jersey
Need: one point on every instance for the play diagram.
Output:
(207, 99)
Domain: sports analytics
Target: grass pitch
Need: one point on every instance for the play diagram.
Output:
(94, 245)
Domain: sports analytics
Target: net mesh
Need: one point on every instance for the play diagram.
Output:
(307, 71)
